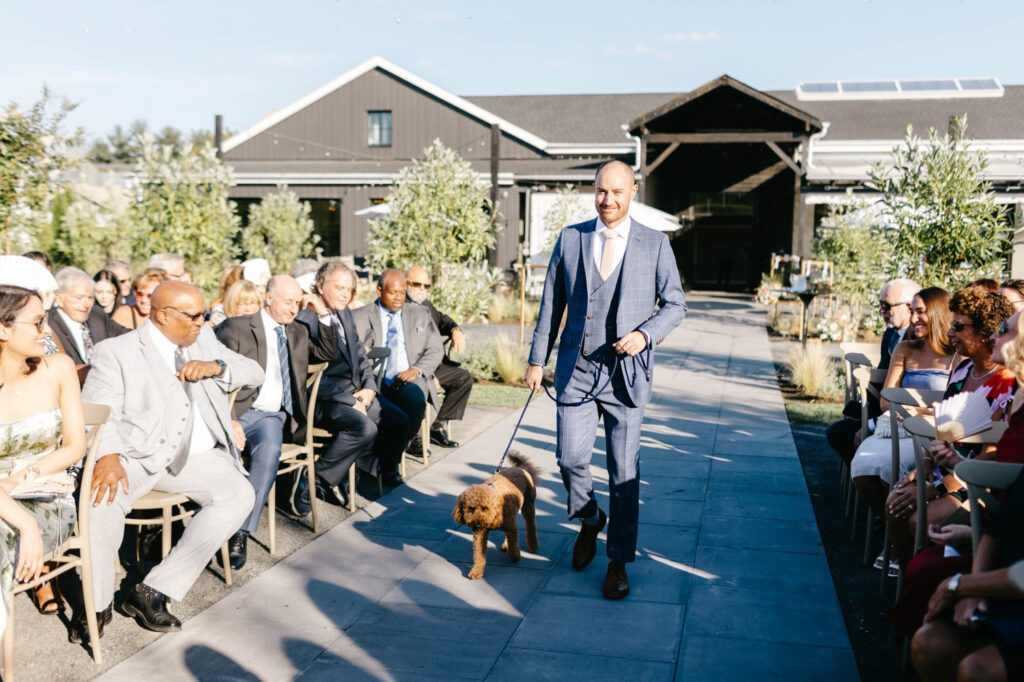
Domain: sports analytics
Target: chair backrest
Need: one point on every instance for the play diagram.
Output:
(378, 356)
(871, 351)
(982, 477)
(96, 417)
(315, 374)
(232, 395)
(867, 379)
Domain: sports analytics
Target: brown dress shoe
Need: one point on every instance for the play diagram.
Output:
(586, 542)
(616, 586)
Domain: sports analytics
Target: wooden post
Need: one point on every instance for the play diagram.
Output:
(522, 302)
(218, 135)
(642, 191)
(495, 145)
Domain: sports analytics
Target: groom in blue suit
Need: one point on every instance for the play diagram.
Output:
(610, 272)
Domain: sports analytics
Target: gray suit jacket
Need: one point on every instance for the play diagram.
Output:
(423, 342)
(148, 402)
(650, 278)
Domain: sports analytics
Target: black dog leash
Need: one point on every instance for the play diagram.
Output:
(514, 431)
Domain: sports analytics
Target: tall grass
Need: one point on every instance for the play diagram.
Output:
(509, 360)
(813, 372)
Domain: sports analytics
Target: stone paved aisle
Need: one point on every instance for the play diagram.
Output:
(730, 583)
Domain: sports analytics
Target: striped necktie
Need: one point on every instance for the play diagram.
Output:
(286, 370)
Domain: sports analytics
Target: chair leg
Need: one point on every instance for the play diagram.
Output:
(425, 436)
(311, 475)
(9, 647)
(855, 515)
(89, 604)
(401, 465)
(165, 540)
(225, 556)
(352, 488)
(886, 555)
(272, 517)
(869, 518)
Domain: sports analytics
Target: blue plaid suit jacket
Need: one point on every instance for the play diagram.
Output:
(650, 299)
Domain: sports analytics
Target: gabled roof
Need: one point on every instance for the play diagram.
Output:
(725, 81)
(378, 62)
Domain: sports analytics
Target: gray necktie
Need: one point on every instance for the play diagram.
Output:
(87, 343)
(181, 456)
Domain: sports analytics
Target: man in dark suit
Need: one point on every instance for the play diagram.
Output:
(278, 408)
(348, 405)
(456, 381)
(415, 345)
(894, 305)
(78, 324)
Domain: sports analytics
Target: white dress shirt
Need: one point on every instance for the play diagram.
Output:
(620, 244)
(271, 394)
(75, 328)
(202, 438)
(401, 358)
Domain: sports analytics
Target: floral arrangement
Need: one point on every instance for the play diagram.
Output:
(767, 291)
(837, 327)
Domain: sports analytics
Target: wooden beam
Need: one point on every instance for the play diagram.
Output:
(786, 158)
(661, 157)
(712, 138)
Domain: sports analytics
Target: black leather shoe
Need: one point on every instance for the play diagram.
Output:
(237, 546)
(331, 494)
(79, 631)
(616, 585)
(149, 609)
(440, 437)
(585, 549)
(415, 447)
(391, 478)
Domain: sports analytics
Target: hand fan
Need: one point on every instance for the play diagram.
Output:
(962, 415)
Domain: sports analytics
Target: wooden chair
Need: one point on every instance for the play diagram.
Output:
(173, 507)
(95, 416)
(983, 477)
(294, 456)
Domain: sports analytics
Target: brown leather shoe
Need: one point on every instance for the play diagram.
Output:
(616, 585)
(585, 549)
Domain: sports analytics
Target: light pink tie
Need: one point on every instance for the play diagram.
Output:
(608, 255)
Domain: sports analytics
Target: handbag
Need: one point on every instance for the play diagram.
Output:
(50, 487)
(883, 427)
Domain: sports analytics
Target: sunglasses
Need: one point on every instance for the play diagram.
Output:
(421, 285)
(886, 306)
(39, 324)
(195, 317)
(959, 326)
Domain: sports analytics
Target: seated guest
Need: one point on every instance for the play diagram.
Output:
(242, 298)
(277, 410)
(348, 406)
(977, 316)
(145, 283)
(415, 345)
(456, 381)
(974, 627)
(171, 263)
(21, 271)
(894, 305)
(77, 323)
(231, 274)
(124, 280)
(921, 362)
(42, 433)
(106, 291)
(170, 430)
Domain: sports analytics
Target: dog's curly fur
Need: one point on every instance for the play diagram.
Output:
(495, 504)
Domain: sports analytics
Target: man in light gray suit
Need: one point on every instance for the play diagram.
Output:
(170, 430)
(609, 272)
(416, 348)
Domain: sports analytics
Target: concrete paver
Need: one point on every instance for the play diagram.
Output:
(730, 581)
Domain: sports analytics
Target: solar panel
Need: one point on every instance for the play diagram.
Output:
(912, 88)
(869, 86)
(820, 87)
(979, 84)
(920, 85)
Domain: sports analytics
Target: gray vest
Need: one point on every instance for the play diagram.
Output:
(602, 309)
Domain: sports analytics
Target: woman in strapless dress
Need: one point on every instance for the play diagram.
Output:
(42, 433)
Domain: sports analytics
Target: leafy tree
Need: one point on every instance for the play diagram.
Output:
(949, 228)
(91, 234)
(182, 207)
(33, 155)
(120, 145)
(568, 209)
(440, 214)
(280, 230)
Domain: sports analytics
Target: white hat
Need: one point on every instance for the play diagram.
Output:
(25, 272)
(256, 270)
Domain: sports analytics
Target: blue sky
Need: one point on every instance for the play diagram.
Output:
(181, 62)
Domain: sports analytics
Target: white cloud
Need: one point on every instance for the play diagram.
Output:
(653, 52)
(690, 37)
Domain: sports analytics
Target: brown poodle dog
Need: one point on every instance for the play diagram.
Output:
(494, 505)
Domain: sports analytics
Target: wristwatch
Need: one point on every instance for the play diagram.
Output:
(223, 368)
(954, 583)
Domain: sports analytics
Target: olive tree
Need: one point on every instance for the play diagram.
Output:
(280, 230)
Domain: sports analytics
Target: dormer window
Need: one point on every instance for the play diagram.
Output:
(378, 129)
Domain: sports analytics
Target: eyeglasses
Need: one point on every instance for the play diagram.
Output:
(420, 285)
(195, 317)
(39, 324)
(886, 306)
(959, 326)
(1005, 328)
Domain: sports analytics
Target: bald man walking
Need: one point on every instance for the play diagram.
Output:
(609, 272)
